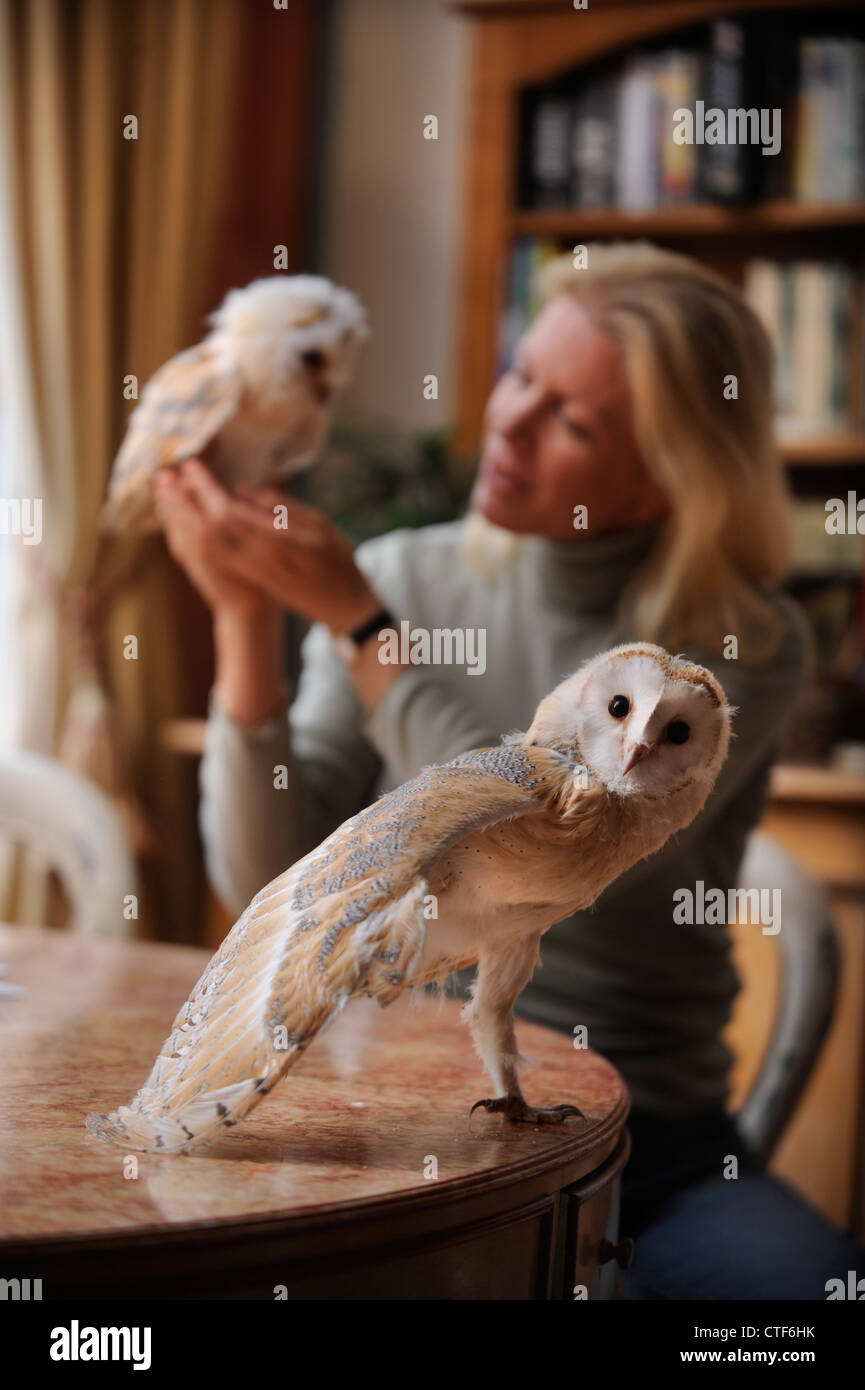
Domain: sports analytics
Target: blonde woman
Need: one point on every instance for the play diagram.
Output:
(620, 495)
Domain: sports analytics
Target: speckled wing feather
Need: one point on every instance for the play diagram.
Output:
(182, 408)
(345, 921)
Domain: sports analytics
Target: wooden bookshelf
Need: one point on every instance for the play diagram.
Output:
(522, 43)
(831, 451)
(690, 220)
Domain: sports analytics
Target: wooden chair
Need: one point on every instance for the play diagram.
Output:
(69, 821)
(810, 967)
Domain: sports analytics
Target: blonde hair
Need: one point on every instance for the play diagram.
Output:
(683, 330)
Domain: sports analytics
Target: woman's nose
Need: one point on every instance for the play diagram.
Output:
(521, 413)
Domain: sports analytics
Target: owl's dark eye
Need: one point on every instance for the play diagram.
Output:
(619, 706)
(678, 731)
(313, 358)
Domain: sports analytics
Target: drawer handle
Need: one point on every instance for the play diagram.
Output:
(623, 1253)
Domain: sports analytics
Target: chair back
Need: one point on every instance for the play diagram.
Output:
(69, 821)
(810, 967)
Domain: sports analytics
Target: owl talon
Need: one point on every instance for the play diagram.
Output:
(519, 1112)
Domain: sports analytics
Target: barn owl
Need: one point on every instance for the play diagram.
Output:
(253, 398)
(504, 841)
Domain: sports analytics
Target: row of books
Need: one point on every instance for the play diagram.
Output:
(814, 312)
(521, 302)
(691, 123)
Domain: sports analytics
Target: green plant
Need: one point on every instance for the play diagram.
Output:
(376, 476)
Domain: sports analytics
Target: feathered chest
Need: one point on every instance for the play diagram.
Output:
(555, 858)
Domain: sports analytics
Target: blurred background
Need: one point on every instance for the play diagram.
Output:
(155, 154)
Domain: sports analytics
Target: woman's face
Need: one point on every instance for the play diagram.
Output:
(559, 435)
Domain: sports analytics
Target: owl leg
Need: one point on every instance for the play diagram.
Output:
(503, 972)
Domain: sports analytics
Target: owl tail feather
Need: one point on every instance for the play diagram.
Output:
(258, 1006)
(143, 1126)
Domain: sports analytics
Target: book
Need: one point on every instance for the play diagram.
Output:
(775, 86)
(811, 347)
(522, 301)
(841, 295)
(847, 140)
(767, 289)
(729, 172)
(546, 165)
(637, 173)
(813, 313)
(830, 145)
(807, 120)
(595, 144)
(677, 74)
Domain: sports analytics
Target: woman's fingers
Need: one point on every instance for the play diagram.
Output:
(188, 525)
(269, 497)
(271, 516)
(237, 513)
(260, 540)
(199, 484)
(294, 516)
(176, 508)
(253, 564)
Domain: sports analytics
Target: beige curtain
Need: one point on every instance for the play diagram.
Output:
(111, 250)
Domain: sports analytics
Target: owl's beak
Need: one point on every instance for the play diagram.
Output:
(635, 752)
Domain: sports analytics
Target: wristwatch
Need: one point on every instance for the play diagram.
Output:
(348, 644)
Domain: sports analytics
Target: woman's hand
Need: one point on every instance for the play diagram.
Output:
(193, 543)
(241, 549)
(251, 553)
(247, 624)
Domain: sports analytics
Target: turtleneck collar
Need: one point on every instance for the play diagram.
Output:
(588, 574)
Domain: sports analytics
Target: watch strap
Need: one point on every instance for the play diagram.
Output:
(383, 618)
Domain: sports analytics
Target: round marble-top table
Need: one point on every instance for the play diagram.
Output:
(360, 1176)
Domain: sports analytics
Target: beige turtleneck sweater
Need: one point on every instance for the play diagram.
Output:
(653, 995)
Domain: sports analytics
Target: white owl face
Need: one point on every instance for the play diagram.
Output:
(295, 336)
(643, 722)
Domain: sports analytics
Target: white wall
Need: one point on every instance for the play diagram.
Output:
(391, 199)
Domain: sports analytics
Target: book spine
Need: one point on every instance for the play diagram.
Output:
(842, 330)
(542, 251)
(514, 315)
(637, 183)
(848, 138)
(728, 165)
(806, 173)
(779, 86)
(677, 90)
(548, 175)
(769, 290)
(830, 124)
(594, 145)
(785, 379)
(857, 119)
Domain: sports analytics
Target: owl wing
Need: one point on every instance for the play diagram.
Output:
(344, 921)
(182, 408)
